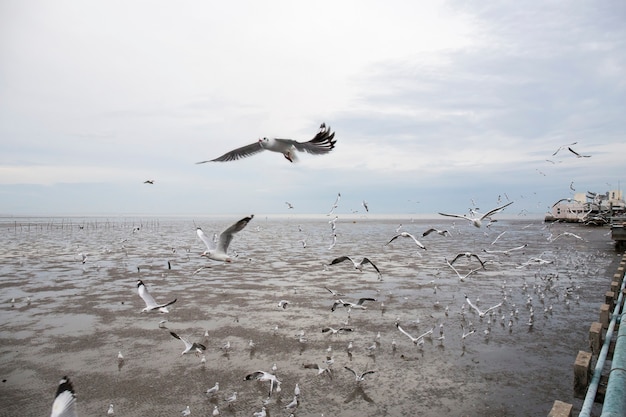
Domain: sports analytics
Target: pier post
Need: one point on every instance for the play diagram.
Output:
(595, 337)
(560, 409)
(582, 373)
(609, 298)
(604, 315)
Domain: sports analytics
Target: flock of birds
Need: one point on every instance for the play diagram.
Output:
(470, 317)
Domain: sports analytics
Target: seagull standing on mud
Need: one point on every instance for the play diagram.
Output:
(323, 142)
(218, 251)
(477, 221)
(151, 304)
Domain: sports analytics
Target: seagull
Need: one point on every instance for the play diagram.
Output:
(506, 252)
(217, 251)
(197, 347)
(358, 265)
(110, 411)
(481, 313)
(461, 277)
(566, 234)
(264, 376)
(150, 303)
(322, 143)
(231, 398)
(334, 206)
(468, 255)
(359, 304)
(563, 147)
(261, 413)
(365, 206)
(406, 234)
(477, 221)
(214, 389)
(289, 205)
(577, 154)
(416, 340)
(148, 182)
(186, 411)
(283, 304)
(320, 370)
(359, 377)
(334, 293)
(64, 404)
(439, 232)
(332, 331)
(293, 404)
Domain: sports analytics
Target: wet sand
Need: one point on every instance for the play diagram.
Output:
(80, 315)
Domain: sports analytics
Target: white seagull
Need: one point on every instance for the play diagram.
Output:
(506, 252)
(481, 313)
(477, 221)
(214, 389)
(264, 376)
(468, 255)
(439, 232)
(218, 251)
(462, 277)
(358, 305)
(196, 347)
(563, 147)
(406, 234)
(416, 340)
(359, 377)
(64, 404)
(357, 265)
(322, 143)
(151, 305)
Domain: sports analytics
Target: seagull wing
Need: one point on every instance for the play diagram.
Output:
(429, 231)
(238, 153)
(341, 259)
(203, 237)
(456, 215)
(64, 404)
(188, 345)
(366, 373)
(227, 235)
(145, 295)
(392, 239)
(495, 210)
(492, 308)
(367, 261)
(323, 142)
(417, 242)
(352, 370)
(364, 299)
(480, 313)
(404, 332)
(479, 260)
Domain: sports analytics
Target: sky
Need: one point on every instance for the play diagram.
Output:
(437, 106)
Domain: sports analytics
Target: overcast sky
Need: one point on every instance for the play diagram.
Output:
(436, 105)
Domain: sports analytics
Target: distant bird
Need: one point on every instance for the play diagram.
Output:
(64, 404)
(110, 411)
(148, 182)
(357, 265)
(322, 143)
(186, 411)
(120, 357)
(577, 154)
(332, 331)
(151, 304)
(283, 304)
(196, 347)
(468, 255)
(359, 377)
(461, 277)
(365, 206)
(230, 400)
(293, 404)
(566, 234)
(264, 376)
(563, 147)
(289, 205)
(406, 234)
(439, 232)
(334, 206)
(334, 293)
(218, 251)
(477, 221)
(320, 370)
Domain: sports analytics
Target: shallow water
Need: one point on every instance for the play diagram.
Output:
(81, 315)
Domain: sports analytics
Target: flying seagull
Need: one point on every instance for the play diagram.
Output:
(563, 147)
(218, 250)
(481, 313)
(461, 277)
(477, 221)
(419, 340)
(64, 404)
(468, 255)
(357, 265)
(197, 347)
(406, 234)
(358, 305)
(264, 376)
(150, 303)
(148, 182)
(359, 377)
(577, 154)
(322, 143)
(439, 232)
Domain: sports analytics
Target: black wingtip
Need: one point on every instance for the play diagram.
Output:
(65, 385)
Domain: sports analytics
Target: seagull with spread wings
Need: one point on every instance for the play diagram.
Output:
(323, 142)
(481, 313)
(359, 377)
(475, 220)
(218, 250)
(151, 304)
(419, 340)
(64, 404)
(357, 265)
(196, 347)
(264, 376)
(406, 234)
